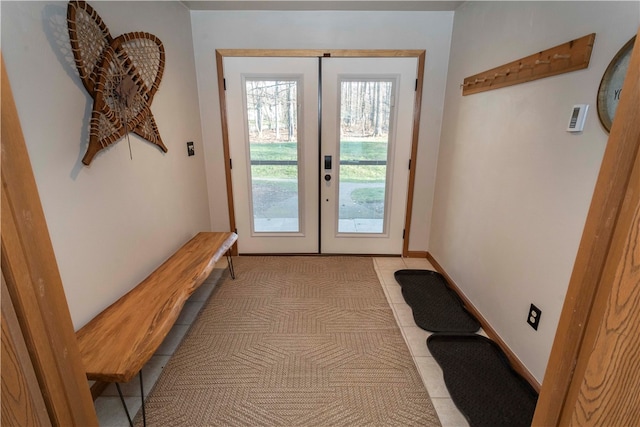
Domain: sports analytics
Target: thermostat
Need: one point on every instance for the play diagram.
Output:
(578, 116)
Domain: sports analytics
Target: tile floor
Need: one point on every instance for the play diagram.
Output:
(416, 338)
(109, 408)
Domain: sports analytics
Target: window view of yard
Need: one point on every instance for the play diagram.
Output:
(272, 121)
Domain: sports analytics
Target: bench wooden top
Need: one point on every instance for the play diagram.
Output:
(116, 343)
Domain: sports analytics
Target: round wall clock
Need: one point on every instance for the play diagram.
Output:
(611, 84)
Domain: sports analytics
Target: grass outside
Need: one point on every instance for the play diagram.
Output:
(350, 150)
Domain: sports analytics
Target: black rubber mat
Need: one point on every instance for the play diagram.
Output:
(481, 382)
(435, 306)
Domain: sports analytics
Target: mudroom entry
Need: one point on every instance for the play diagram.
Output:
(320, 146)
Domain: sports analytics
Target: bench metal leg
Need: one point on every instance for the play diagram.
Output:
(144, 415)
(230, 265)
(124, 404)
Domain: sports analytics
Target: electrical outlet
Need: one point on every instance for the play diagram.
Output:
(190, 150)
(533, 318)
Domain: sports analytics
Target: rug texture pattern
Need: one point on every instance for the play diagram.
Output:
(293, 341)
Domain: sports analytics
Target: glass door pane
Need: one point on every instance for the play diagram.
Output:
(367, 128)
(365, 117)
(272, 129)
(272, 113)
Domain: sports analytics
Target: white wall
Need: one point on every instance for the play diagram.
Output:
(513, 188)
(113, 222)
(325, 30)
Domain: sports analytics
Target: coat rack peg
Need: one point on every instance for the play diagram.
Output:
(542, 61)
(558, 56)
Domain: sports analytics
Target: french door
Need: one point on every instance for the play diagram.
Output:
(272, 108)
(320, 166)
(367, 117)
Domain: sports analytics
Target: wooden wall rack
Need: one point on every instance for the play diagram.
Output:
(570, 56)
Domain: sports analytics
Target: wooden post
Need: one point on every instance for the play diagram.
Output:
(33, 281)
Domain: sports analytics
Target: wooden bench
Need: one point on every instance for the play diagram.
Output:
(115, 345)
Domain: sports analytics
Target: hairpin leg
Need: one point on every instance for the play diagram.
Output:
(144, 415)
(124, 404)
(230, 265)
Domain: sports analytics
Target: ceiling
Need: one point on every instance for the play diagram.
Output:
(382, 5)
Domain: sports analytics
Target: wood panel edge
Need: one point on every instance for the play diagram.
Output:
(516, 363)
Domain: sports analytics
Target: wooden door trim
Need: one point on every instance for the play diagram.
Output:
(319, 53)
(22, 401)
(589, 287)
(222, 96)
(33, 280)
(417, 108)
(600, 393)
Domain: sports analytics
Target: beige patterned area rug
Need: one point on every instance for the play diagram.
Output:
(293, 341)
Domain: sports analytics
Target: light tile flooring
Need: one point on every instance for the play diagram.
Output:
(109, 408)
(416, 338)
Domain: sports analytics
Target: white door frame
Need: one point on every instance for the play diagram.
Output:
(346, 53)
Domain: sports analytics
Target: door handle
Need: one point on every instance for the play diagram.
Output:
(327, 163)
(327, 177)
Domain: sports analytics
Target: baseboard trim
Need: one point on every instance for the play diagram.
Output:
(416, 254)
(491, 333)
